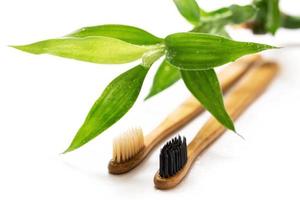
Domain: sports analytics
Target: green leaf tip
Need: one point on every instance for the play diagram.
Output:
(205, 87)
(27, 48)
(240, 135)
(115, 101)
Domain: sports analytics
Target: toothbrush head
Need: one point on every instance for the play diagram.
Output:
(173, 157)
(127, 145)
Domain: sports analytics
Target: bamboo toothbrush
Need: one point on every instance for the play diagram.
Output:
(176, 158)
(131, 148)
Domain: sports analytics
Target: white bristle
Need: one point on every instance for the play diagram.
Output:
(128, 145)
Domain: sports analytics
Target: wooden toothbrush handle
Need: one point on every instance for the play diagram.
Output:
(191, 107)
(250, 87)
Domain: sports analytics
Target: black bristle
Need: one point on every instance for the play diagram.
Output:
(180, 156)
(177, 159)
(173, 156)
(172, 169)
(166, 165)
(161, 163)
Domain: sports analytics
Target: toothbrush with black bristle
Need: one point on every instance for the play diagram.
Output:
(173, 157)
(176, 158)
(132, 147)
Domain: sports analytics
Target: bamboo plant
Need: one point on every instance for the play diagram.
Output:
(190, 56)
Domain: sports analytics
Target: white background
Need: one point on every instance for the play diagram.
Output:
(44, 99)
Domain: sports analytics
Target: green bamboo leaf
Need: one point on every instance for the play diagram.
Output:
(199, 51)
(204, 85)
(217, 14)
(273, 20)
(216, 28)
(241, 14)
(126, 33)
(96, 49)
(214, 22)
(233, 14)
(165, 76)
(268, 17)
(118, 97)
(260, 17)
(189, 9)
(289, 21)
